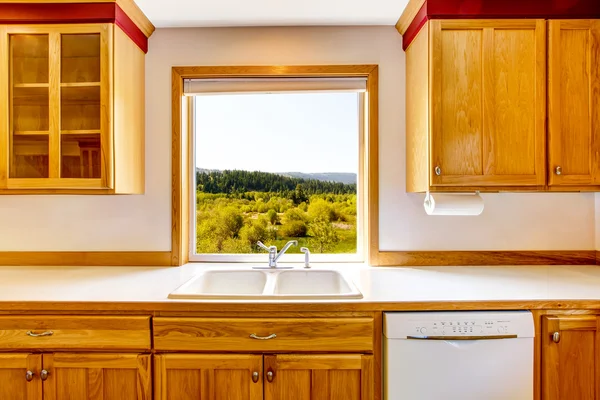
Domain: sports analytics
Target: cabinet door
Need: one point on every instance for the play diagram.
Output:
(573, 102)
(15, 384)
(59, 101)
(319, 377)
(73, 376)
(208, 377)
(571, 358)
(488, 102)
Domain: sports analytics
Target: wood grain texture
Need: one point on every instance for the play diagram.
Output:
(97, 376)
(181, 149)
(448, 258)
(107, 102)
(224, 334)
(4, 107)
(68, 333)
(417, 114)
(13, 368)
(408, 15)
(570, 367)
(574, 116)
(207, 377)
(54, 105)
(319, 377)
(78, 258)
(129, 115)
(488, 102)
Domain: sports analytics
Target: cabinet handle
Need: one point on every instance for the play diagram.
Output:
(270, 376)
(556, 337)
(271, 336)
(29, 376)
(44, 374)
(255, 377)
(438, 170)
(47, 333)
(558, 170)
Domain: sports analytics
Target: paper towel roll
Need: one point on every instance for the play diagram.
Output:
(453, 204)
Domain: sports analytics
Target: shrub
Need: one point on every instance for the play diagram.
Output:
(294, 229)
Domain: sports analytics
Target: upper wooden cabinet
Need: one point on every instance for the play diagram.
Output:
(72, 118)
(476, 104)
(571, 357)
(574, 102)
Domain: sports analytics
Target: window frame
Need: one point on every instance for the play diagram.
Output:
(182, 156)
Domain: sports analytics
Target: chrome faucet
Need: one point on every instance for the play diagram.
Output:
(273, 254)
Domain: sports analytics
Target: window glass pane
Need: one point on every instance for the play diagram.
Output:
(274, 168)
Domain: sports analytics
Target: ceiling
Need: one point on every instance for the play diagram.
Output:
(194, 13)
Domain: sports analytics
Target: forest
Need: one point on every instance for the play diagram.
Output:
(235, 209)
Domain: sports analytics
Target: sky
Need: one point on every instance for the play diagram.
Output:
(296, 132)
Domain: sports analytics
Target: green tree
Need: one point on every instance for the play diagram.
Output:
(273, 217)
(231, 221)
(324, 236)
(294, 229)
(320, 209)
(253, 232)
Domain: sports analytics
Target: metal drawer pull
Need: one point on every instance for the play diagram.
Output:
(47, 333)
(556, 337)
(271, 336)
(29, 376)
(255, 377)
(270, 376)
(44, 374)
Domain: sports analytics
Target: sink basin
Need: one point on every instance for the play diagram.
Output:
(314, 283)
(226, 283)
(267, 284)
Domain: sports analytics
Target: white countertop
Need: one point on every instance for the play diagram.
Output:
(378, 285)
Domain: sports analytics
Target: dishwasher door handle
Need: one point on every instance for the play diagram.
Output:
(482, 337)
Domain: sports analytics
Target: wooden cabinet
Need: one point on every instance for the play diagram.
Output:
(323, 376)
(62, 376)
(571, 357)
(284, 376)
(18, 379)
(208, 377)
(574, 102)
(72, 108)
(476, 104)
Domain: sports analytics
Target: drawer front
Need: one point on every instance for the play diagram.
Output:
(47, 332)
(264, 335)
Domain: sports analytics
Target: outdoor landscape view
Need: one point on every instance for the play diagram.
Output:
(244, 143)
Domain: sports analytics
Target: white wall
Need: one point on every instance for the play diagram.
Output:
(510, 221)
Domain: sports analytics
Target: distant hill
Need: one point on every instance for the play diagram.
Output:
(341, 177)
(236, 181)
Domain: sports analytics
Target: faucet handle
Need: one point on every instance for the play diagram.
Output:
(270, 249)
(306, 252)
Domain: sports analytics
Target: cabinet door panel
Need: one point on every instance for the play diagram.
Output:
(488, 102)
(574, 112)
(571, 360)
(207, 377)
(319, 377)
(97, 376)
(13, 369)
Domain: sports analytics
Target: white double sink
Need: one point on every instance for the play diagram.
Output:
(231, 284)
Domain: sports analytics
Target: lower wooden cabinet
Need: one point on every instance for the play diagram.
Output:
(571, 357)
(76, 376)
(274, 377)
(15, 382)
(319, 377)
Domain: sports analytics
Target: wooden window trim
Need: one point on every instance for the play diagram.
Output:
(181, 139)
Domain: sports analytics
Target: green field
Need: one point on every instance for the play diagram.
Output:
(233, 223)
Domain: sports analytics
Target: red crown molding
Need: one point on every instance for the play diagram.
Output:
(72, 13)
(505, 9)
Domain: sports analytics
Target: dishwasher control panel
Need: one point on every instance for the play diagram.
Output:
(449, 324)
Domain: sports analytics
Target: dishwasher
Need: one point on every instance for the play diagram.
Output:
(471, 355)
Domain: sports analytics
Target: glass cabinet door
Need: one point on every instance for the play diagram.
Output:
(80, 106)
(59, 107)
(29, 106)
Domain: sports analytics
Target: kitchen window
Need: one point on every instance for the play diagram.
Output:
(277, 159)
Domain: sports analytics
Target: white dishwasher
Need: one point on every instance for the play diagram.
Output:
(471, 355)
